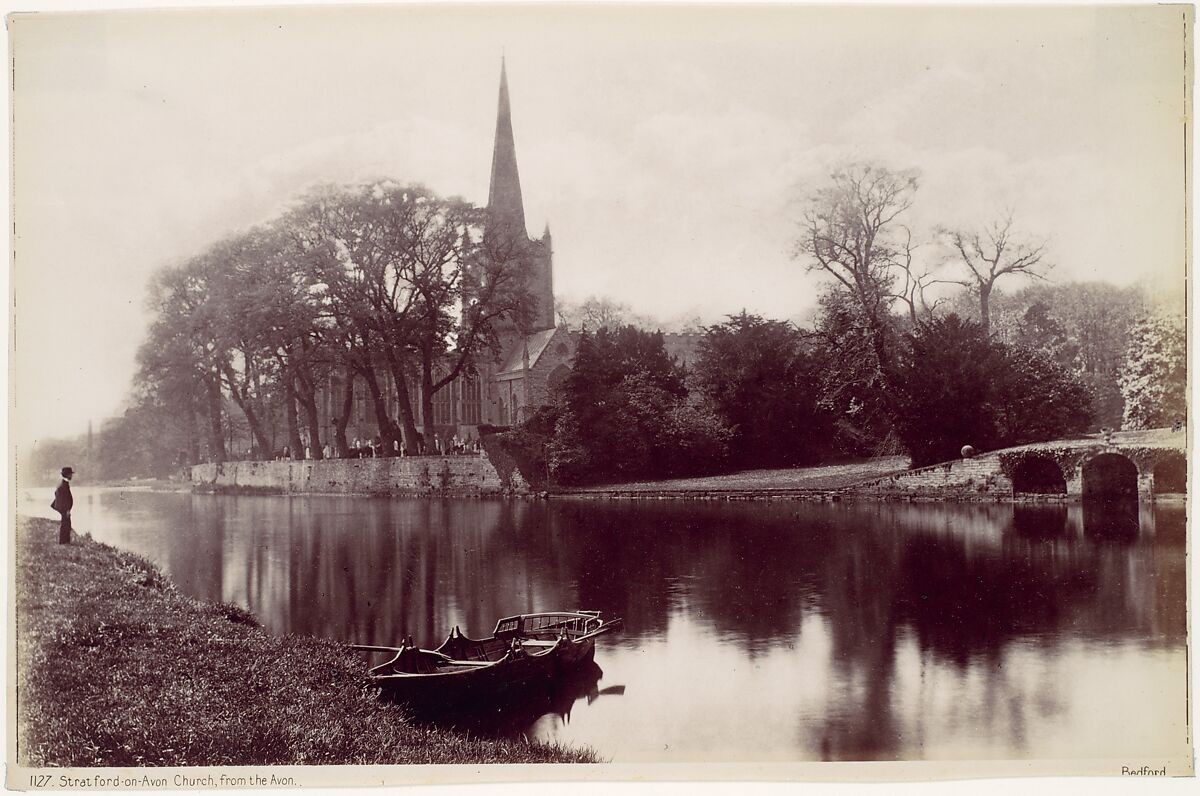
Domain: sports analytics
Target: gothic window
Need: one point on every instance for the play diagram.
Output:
(557, 376)
(442, 405)
(471, 400)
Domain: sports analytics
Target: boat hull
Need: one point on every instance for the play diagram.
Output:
(523, 651)
(497, 681)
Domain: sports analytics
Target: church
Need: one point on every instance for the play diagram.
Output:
(531, 361)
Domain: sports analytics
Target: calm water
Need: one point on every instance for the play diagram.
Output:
(753, 632)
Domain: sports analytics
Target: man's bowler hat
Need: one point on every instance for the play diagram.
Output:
(68, 471)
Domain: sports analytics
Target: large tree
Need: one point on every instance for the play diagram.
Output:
(249, 371)
(852, 231)
(757, 375)
(991, 254)
(852, 390)
(624, 413)
(415, 286)
(181, 359)
(957, 386)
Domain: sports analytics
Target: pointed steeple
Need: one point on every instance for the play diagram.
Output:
(504, 196)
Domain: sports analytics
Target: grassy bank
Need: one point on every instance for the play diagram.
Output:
(118, 668)
(821, 477)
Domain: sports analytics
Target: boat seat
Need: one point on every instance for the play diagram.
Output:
(531, 642)
(466, 663)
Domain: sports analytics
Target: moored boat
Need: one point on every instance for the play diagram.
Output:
(522, 650)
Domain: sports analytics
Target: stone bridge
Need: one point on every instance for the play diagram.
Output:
(1127, 464)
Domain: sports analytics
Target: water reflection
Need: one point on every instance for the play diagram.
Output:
(1115, 520)
(530, 711)
(777, 631)
(1040, 520)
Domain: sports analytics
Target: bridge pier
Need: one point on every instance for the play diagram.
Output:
(1075, 484)
(1145, 483)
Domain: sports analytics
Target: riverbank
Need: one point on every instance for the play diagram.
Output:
(1151, 463)
(116, 667)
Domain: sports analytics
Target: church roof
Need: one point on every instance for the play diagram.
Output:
(504, 195)
(537, 342)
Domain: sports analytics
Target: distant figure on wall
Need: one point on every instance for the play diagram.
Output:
(62, 504)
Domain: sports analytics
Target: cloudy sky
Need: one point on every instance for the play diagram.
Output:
(669, 149)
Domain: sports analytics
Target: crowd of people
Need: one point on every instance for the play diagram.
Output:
(452, 445)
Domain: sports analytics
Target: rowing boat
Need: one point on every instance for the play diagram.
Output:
(522, 650)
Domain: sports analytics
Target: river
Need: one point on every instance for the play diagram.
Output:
(753, 631)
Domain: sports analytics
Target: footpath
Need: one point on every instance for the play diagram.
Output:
(116, 667)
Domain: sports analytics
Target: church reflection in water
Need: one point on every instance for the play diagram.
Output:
(872, 631)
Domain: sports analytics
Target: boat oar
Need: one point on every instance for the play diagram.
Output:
(373, 648)
(615, 624)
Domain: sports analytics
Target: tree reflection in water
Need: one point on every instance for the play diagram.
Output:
(916, 619)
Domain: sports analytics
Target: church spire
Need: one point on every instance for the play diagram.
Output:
(504, 195)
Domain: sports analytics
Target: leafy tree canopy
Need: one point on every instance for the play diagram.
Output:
(960, 387)
(757, 376)
(624, 413)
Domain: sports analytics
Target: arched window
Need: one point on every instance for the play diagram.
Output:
(472, 400)
(557, 376)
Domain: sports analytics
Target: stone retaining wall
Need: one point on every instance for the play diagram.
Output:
(962, 479)
(451, 476)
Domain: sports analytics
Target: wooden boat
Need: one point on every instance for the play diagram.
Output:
(522, 650)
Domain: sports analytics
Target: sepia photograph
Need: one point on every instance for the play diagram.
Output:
(456, 393)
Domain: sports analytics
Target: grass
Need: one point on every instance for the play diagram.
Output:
(115, 667)
(822, 477)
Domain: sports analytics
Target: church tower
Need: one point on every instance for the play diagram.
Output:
(506, 212)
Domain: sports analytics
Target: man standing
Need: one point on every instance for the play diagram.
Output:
(62, 504)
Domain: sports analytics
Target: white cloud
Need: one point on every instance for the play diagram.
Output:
(668, 159)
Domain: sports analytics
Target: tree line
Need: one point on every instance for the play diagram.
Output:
(913, 355)
(915, 348)
(378, 284)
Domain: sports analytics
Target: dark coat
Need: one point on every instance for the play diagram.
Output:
(62, 498)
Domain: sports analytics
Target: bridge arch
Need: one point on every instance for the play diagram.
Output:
(1038, 475)
(1170, 474)
(1110, 476)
